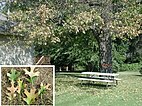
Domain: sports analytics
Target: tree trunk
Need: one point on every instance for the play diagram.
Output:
(105, 52)
(104, 40)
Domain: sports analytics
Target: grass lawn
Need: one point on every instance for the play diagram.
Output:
(71, 92)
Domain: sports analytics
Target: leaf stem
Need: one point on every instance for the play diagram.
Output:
(32, 81)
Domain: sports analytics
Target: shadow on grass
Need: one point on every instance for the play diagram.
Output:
(77, 71)
(92, 85)
(138, 75)
(71, 75)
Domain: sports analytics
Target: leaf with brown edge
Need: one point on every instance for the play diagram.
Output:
(9, 96)
(31, 73)
(12, 90)
(31, 96)
(48, 86)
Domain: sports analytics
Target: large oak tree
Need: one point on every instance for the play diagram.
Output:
(49, 19)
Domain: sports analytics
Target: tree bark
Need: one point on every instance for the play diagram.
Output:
(104, 40)
(105, 52)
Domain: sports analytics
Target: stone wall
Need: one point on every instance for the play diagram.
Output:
(15, 51)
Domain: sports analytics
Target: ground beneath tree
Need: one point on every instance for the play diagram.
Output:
(72, 92)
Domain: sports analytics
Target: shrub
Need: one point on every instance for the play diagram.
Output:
(115, 66)
(140, 71)
(130, 67)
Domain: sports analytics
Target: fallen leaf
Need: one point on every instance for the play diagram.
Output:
(12, 90)
(13, 75)
(43, 88)
(31, 73)
(48, 86)
(30, 95)
(20, 86)
(9, 96)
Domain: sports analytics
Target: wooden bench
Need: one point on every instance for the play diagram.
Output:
(101, 77)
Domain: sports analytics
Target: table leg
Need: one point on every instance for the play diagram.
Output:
(116, 82)
(107, 85)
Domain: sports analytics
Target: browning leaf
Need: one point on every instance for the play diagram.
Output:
(48, 86)
(30, 95)
(31, 73)
(12, 90)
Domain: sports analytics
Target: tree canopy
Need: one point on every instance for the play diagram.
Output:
(46, 18)
(56, 20)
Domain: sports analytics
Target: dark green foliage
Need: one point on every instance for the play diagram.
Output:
(73, 49)
(127, 55)
(82, 52)
(140, 71)
(130, 67)
(134, 53)
(119, 54)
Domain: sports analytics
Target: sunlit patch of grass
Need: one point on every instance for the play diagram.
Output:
(72, 92)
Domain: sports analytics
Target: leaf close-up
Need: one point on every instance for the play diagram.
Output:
(43, 88)
(20, 86)
(13, 75)
(31, 96)
(12, 90)
(31, 73)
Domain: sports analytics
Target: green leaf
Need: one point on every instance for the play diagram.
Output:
(20, 86)
(27, 100)
(13, 75)
(31, 79)
(30, 96)
(43, 88)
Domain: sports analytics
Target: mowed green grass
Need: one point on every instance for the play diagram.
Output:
(72, 92)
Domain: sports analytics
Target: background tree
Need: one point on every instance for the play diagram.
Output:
(49, 20)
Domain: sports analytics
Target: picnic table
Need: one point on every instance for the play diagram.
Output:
(101, 77)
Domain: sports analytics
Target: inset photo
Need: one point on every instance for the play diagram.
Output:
(27, 85)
